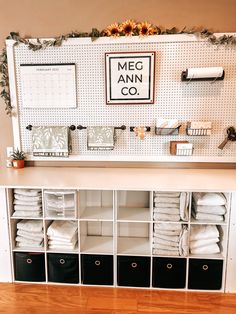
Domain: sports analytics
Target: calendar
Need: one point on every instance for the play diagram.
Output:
(48, 85)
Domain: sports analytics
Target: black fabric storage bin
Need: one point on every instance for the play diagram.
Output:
(97, 269)
(29, 266)
(63, 268)
(169, 272)
(205, 274)
(133, 271)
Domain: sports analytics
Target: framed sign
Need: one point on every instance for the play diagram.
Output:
(130, 77)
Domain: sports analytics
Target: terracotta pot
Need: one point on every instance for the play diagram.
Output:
(17, 164)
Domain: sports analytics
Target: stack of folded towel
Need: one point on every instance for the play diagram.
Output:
(60, 207)
(62, 235)
(29, 234)
(27, 203)
(209, 206)
(170, 239)
(170, 206)
(204, 239)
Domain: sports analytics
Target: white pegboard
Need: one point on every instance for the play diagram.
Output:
(173, 99)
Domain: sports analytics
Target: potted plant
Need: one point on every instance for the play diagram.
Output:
(18, 159)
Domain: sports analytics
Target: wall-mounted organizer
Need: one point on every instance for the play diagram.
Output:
(198, 101)
(203, 74)
(152, 239)
(199, 128)
(181, 148)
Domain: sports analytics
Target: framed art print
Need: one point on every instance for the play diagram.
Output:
(130, 77)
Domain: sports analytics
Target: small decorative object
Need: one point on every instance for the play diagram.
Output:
(140, 131)
(18, 159)
(231, 136)
(199, 128)
(181, 148)
(130, 77)
(167, 127)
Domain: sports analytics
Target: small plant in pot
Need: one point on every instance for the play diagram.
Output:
(18, 159)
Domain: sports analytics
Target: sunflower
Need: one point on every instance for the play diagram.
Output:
(128, 28)
(112, 30)
(146, 29)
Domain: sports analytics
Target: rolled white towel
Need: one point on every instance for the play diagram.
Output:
(30, 225)
(165, 217)
(198, 232)
(207, 249)
(209, 198)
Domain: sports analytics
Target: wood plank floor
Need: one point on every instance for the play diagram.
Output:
(40, 299)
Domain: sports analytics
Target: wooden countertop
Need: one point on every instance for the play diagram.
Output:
(120, 178)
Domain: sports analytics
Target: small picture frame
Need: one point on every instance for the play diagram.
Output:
(130, 77)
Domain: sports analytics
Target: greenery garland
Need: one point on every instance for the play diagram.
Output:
(127, 28)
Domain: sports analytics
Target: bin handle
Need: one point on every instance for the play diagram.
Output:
(29, 260)
(169, 265)
(205, 267)
(134, 265)
(97, 263)
(62, 261)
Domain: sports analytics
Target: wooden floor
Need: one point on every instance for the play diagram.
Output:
(40, 299)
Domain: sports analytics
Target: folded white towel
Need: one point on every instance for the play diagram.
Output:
(198, 232)
(164, 247)
(165, 252)
(167, 226)
(30, 225)
(59, 204)
(28, 192)
(172, 238)
(30, 235)
(202, 242)
(166, 200)
(166, 217)
(184, 203)
(164, 242)
(209, 198)
(28, 203)
(28, 242)
(207, 249)
(166, 210)
(183, 242)
(167, 194)
(64, 229)
(27, 213)
(215, 210)
(26, 207)
(207, 217)
(166, 232)
(164, 205)
(27, 198)
(63, 240)
(62, 246)
(26, 246)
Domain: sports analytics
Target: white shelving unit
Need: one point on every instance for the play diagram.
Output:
(116, 225)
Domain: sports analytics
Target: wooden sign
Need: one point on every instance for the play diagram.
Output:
(130, 77)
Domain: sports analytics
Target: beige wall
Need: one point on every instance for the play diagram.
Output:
(45, 18)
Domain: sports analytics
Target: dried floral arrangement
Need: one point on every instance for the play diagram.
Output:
(127, 28)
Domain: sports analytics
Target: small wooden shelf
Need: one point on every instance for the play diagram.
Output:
(138, 214)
